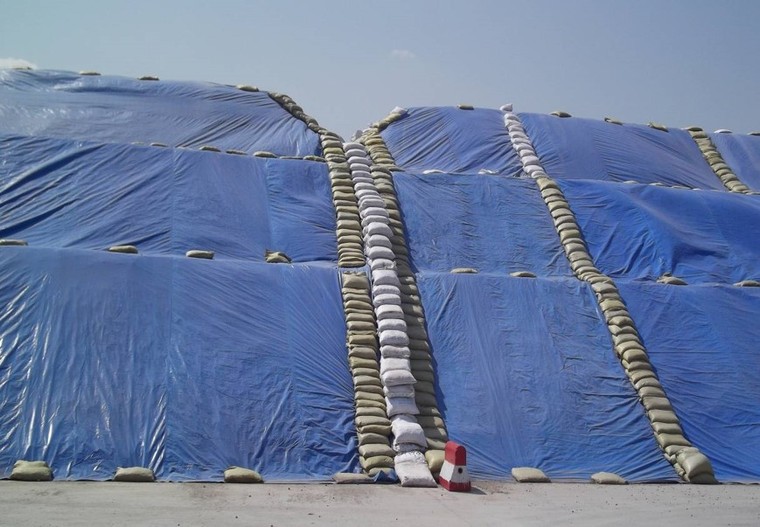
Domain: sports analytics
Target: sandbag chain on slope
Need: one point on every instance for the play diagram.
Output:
(374, 143)
(372, 424)
(716, 161)
(396, 376)
(348, 230)
(688, 461)
(421, 361)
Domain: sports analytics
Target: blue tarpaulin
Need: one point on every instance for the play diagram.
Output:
(452, 140)
(643, 232)
(575, 148)
(702, 342)
(122, 110)
(58, 193)
(742, 154)
(494, 224)
(183, 365)
(527, 377)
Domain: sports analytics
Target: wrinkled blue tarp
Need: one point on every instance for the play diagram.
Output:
(742, 154)
(575, 148)
(183, 365)
(643, 232)
(702, 342)
(527, 377)
(123, 110)
(452, 140)
(494, 224)
(58, 193)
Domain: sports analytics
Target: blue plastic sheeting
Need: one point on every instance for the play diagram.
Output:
(640, 231)
(527, 377)
(186, 366)
(742, 154)
(491, 223)
(86, 195)
(452, 140)
(702, 342)
(574, 148)
(123, 110)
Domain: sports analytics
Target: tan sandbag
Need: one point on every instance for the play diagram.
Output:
(748, 283)
(376, 449)
(371, 411)
(607, 478)
(242, 475)
(349, 478)
(372, 439)
(205, 255)
(125, 249)
(671, 280)
(522, 274)
(134, 475)
(435, 459)
(31, 471)
(529, 475)
(693, 462)
(376, 462)
(13, 243)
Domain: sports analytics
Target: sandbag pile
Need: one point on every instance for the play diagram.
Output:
(348, 230)
(688, 462)
(396, 376)
(429, 416)
(372, 424)
(716, 161)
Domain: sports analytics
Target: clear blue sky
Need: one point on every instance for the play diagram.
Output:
(349, 63)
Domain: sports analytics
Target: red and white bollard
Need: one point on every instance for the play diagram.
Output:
(454, 476)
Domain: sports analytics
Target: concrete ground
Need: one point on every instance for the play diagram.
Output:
(61, 503)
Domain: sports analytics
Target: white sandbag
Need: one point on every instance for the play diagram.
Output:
(395, 352)
(401, 405)
(397, 378)
(389, 311)
(372, 218)
(378, 228)
(412, 470)
(374, 253)
(378, 264)
(506, 107)
(358, 161)
(378, 240)
(387, 299)
(364, 187)
(376, 211)
(385, 278)
(392, 323)
(393, 338)
(364, 193)
(385, 290)
(407, 430)
(366, 202)
(392, 363)
(355, 152)
(528, 159)
(399, 390)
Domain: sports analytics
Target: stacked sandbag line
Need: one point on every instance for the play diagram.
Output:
(374, 143)
(429, 417)
(688, 461)
(349, 234)
(396, 372)
(372, 424)
(716, 161)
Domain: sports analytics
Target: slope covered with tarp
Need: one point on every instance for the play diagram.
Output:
(537, 320)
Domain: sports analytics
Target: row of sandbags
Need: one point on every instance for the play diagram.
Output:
(395, 356)
(716, 161)
(429, 415)
(348, 230)
(690, 464)
(372, 423)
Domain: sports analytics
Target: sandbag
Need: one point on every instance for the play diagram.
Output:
(397, 377)
(400, 405)
(435, 459)
(391, 363)
(349, 478)
(389, 311)
(395, 352)
(412, 470)
(394, 324)
(134, 474)
(607, 478)
(406, 430)
(399, 390)
(31, 471)
(393, 338)
(529, 475)
(375, 449)
(375, 462)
